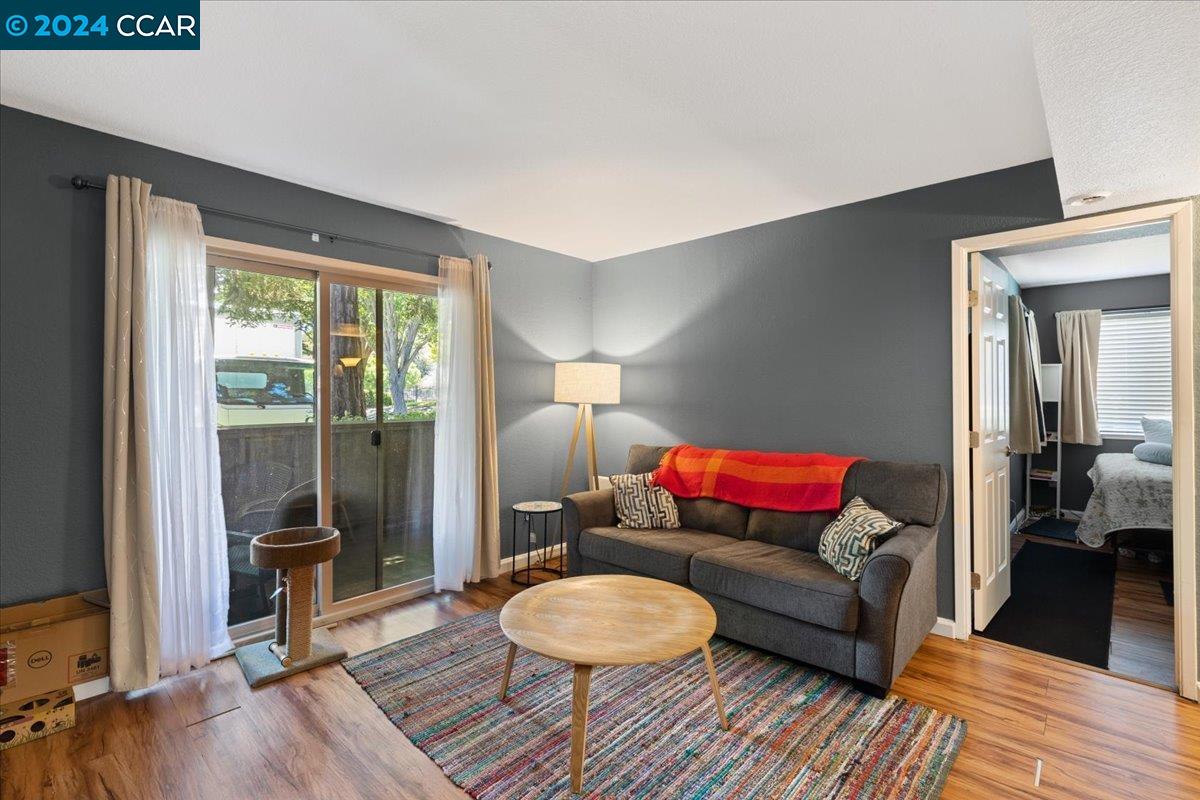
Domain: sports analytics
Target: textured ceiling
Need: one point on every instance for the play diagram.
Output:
(1121, 87)
(1092, 258)
(592, 129)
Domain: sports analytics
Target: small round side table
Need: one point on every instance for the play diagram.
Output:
(528, 510)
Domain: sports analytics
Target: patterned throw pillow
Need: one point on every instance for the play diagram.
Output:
(848, 540)
(640, 505)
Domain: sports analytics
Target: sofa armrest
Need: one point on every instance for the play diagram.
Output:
(581, 511)
(897, 604)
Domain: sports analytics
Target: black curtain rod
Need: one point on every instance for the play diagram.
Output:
(81, 183)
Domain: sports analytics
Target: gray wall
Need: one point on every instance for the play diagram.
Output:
(827, 331)
(51, 312)
(1045, 301)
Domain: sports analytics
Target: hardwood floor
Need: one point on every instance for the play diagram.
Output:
(317, 735)
(1142, 642)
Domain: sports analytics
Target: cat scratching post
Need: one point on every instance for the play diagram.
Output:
(294, 554)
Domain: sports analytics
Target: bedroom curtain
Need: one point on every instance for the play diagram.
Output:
(130, 552)
(466, 518)
(1024, 364)
(1079, 349)
(188, 513)
(1035, 347)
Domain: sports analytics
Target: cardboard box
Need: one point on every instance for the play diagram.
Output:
(34, 717)
(58, 643)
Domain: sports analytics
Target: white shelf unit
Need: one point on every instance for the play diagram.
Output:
(1051, 393)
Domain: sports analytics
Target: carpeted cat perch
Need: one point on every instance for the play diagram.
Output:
(293, 553)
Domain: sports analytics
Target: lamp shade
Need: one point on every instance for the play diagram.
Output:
(587, 382)
(1052, 382)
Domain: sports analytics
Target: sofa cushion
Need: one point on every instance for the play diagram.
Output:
(645, 457)
(914, 494)
(800, 530)
(795, 583)
(713, 516)
(657, 553)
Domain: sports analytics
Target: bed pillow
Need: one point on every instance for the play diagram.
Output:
(847, 542)
(640, 505)
(1157, 429)
(1153, 453)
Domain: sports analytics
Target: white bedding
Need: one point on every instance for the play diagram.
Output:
(1128, 494)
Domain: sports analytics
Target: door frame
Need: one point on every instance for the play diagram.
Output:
(325, 270)
(1180, 215)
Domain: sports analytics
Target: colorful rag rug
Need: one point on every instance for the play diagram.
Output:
(776, 481)
(652, 729)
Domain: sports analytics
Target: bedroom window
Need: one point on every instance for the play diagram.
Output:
(1134, 374)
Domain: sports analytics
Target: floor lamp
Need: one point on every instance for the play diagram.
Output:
(585, 383)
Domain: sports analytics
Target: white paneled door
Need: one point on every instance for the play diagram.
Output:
(992, 550)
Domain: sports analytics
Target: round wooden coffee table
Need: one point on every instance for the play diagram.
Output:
(607, 620)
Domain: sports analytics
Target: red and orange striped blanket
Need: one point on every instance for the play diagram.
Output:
(776, 481)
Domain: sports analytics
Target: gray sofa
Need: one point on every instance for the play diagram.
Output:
(761, 572)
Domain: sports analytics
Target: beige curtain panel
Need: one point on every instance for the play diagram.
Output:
(1079, 349)
(130, 554)
(1035, 349)
(1023, 365)
(487, 563)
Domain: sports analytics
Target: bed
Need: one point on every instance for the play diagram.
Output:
(1128, 493)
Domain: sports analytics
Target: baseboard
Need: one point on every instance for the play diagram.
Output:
(542, 554)
(943, 627)
(95, 688)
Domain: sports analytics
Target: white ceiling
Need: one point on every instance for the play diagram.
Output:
(1128, 253)
(1121, 87)
(590, 129)
(597, 129)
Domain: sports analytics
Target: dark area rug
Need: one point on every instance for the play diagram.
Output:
(1054, 528)
(1061, 603)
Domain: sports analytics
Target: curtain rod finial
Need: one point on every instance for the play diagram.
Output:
(79, 182)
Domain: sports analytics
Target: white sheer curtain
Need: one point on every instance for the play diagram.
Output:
(189, 521)
(466, 537)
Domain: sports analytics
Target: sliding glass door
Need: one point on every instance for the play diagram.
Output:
(326, 392)
(382, 399)
(263, 338)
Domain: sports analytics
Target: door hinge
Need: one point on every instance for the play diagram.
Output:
(972, 298)
(976, 582)
(973, 438)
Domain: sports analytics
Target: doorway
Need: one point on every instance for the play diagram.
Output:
(1005, 553)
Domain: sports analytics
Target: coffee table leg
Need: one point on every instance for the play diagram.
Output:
(579, 711)
(716, 687)
(508, 662)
